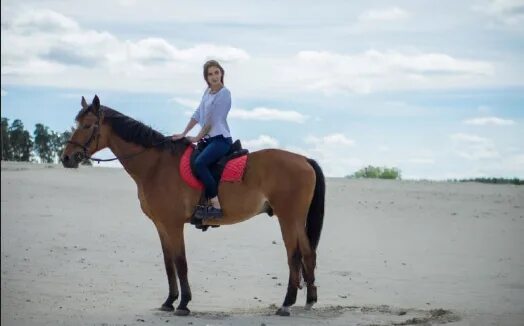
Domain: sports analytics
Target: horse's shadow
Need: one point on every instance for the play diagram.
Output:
(361, 315)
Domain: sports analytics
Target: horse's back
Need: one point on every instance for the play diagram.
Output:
(281, 170)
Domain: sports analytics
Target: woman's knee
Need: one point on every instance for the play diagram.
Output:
(200, 163)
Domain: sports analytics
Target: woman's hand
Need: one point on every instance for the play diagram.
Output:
(177, 136)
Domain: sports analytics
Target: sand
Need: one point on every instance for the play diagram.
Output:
(77, 250)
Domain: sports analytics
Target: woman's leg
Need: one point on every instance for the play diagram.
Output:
(211, 154)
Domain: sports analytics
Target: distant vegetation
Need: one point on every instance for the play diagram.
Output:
(44, 146)
(514, 181)
(374, 172)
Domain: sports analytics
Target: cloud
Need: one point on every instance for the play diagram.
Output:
(263, 141)
(420, 160)
(331, 140)
(268, 114)
(371, 70)
(47, 48)
(494, 121)
(383, 15)
(44, 21)
(474, 147)
(190, 103)
(333, 152)
(46, 45)
(4, 92)
(508, 12)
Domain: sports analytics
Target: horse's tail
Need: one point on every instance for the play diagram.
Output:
(315, 215)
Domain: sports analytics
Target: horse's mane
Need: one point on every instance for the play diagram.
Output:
(138, 133)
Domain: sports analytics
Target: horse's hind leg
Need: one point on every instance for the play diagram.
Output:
(290, 237)
(171, 274)
(308, 269)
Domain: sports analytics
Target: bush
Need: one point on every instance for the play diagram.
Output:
(373, 172)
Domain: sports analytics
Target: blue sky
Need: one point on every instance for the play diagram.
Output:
(432, 88)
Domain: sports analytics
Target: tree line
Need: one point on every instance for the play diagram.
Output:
(44, 145)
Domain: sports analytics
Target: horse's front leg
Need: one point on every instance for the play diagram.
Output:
(169, 255)
(177, 238)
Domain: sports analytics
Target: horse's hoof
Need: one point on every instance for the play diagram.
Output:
(283, 311)
(308, 306)
(182, 312)
(167, 308)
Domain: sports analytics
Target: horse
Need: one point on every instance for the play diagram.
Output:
(288, 185)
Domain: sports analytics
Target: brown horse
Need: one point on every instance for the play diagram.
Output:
(289, 185)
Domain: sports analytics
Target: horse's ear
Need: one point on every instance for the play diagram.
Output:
(96, 105)
(84, 103)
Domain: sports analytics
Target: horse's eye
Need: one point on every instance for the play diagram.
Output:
(87, 126)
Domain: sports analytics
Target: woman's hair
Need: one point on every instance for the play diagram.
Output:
(213, 63)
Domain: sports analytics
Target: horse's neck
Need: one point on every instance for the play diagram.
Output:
(139, 166)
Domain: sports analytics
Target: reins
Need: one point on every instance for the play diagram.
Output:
(98, 160)
(97, 136)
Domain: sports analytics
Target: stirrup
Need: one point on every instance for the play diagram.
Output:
(213, 212)
(204, 212)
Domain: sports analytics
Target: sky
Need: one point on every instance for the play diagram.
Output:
(433, 88)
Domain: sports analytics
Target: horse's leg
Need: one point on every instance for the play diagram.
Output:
(308, 268)
(181, 268)
(290, 237)
(171, 274)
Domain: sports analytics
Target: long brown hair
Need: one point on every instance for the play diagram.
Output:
(213, 63)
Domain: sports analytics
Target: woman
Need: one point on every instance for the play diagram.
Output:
(211, 114)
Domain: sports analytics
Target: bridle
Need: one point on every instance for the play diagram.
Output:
(80, 156)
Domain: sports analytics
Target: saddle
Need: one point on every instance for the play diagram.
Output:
(217, 169)
(230, 168)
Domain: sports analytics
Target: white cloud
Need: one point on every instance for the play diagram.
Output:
(44, 20)
(420, 160)
(484, 121)
(384, 15)
(48, 48)
(333, 152)
(268, 114)
(190, 103)
(375, 70)
(510, 12)
(263, 141)
(474, 147)
(4, 92)
(336, 140)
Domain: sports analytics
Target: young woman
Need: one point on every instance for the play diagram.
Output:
(211, 114)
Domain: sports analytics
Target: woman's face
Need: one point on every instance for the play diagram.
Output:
(214, 76)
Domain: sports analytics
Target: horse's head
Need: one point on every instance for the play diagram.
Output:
(89, 137)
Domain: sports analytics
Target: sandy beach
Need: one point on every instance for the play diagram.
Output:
(77, 250)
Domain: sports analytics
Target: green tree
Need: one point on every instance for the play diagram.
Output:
(20, 141)
(7, 152)
(374, 172)
(60, 141)
(43, 143)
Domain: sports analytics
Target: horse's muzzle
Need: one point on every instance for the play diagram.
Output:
(72, 162)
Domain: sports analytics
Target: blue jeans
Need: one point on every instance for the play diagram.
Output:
(216, 148)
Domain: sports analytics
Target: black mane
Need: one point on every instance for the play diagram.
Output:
(138, 133)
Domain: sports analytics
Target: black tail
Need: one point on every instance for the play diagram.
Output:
(315, 215)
